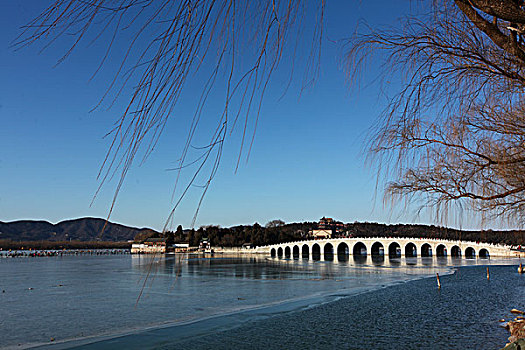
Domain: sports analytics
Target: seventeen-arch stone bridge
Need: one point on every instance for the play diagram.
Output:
(393, 247)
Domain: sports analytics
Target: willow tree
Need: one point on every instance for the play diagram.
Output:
(454, 132)
(235, 45)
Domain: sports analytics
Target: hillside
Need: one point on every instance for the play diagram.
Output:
(259, 235)
(83, 229)
(89, 229)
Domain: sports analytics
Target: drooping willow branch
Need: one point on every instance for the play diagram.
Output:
(236, 44)
(454, 133)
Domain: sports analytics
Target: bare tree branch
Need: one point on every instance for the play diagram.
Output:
(455, 133)
(167, 42)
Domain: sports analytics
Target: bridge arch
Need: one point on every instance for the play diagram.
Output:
(441, 250)
(295, 251)
(328, 251)
(287, 252)
(410, 250)
(305, 251)
(426, 250)
(328, 248)
(483, 254)
(377, 249)
(343, 249)
(470, 253)
(455, 251)
(394, 250)
(316, 251)
(359, 249)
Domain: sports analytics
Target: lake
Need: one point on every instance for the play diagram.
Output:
(174, 302)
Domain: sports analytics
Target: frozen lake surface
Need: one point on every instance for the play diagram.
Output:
(184, 302)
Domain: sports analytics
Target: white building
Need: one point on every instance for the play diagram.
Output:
(150, 246)
(321, 234)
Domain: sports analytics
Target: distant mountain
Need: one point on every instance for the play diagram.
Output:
(84, 229)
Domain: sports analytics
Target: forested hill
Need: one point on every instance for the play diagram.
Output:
(89, 229)
(511, 237)
(261, 235)
(84, 229)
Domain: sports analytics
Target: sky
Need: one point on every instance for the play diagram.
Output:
(307, 160)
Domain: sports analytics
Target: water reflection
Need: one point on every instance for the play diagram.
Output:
(412, 261)
(177, 288)
(442, 260)
(378, 259)
(426, 261)
(329, 257)
(343, 257)
(261, 267)
(359, 259)
(393, 260)
(456, 260)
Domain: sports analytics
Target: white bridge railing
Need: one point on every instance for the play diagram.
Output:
(398, 245)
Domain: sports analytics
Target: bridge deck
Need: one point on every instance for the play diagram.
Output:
(399, 246)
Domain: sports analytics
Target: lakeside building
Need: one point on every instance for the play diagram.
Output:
(205, 246)
(181, 247)
(149, 246)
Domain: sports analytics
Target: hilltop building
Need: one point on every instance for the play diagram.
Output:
(321, 234)
(328, 228)
(330, 224)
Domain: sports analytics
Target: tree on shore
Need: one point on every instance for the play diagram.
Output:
(179, 234)
(274, 223)
(169, 236)
(454, 134)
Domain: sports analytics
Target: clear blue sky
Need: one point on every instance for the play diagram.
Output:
(306, 162)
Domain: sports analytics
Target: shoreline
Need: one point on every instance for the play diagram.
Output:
(235, 318)
(454, 317)
(46, 253)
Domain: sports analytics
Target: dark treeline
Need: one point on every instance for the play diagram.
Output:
(276, 232)
(256, 234)
(7, 244)
(511, 237)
